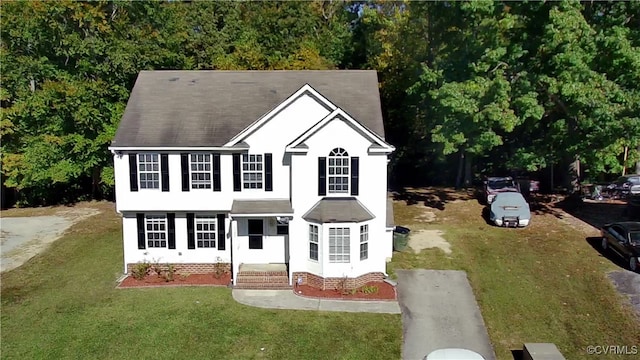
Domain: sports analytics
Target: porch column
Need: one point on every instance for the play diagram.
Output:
(235, 244)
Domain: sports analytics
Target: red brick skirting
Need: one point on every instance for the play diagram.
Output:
(190, 268)
(332, 283)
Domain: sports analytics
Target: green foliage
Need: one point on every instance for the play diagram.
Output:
(528, 84)
(141, 270)
(369, 289)
(68, 68)
(524, 84)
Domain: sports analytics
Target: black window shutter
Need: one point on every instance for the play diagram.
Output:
(141, 236)
(355, 170)
(322, 176)
(268, 172)
(237, 184)
(133, 172)
(164, 170)
(221, 232)
(216, 172)
(171, 226)
(184, 164)
(191, 238)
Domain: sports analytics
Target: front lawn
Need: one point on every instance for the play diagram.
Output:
(64, 305)
(544, 283)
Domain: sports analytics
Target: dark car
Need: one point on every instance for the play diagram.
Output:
(625, 185)
(624, 239)
(495, 185)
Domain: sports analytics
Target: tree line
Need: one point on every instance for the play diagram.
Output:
(468, 88)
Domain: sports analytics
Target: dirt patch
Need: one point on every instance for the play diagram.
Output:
(24, 237)
(426, 217)
(179, 280)
(379, 290)
(428, 239)
(628, 284)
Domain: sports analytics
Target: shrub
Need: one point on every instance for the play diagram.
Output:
(369, 289)
(170, 272)
(140, 270)
(219, 268)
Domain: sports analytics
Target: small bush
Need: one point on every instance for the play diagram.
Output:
(140, 270)
(219, 268)
(369, 289)
(343, 288)
(169, 274)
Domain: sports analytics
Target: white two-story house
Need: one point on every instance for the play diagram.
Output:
(280, 173)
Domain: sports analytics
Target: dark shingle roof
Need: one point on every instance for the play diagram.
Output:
(261, 207)
(333, 210)
(208, 108)
(390, 219)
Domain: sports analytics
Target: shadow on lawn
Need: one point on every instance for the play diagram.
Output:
(435, 198)
(595, 213)
(596, 242)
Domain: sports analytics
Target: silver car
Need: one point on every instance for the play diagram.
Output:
(510, 209)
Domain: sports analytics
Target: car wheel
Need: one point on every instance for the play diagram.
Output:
(633, 264)
(604, 243)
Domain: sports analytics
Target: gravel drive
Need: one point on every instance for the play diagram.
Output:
(24, 237)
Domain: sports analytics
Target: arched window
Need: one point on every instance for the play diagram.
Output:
(338, 173)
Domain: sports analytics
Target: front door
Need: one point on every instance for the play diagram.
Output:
(256, 233)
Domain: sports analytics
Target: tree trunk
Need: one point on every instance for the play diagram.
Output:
(552, 184)
(467, 171)
(574, 173)
(638, 162)
(95, 181)
(460, 169)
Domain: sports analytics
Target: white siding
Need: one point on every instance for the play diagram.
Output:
(181, 254)
(372, 194)
(272, 138)
(294, 176)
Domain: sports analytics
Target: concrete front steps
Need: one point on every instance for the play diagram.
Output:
(273, 277)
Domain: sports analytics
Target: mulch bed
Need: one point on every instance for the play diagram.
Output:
(385, 292)
(179, 280)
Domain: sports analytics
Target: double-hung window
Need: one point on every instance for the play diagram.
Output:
(364, 242)
(339, 247)
(252, 171)
(149, 171)
(313, 242)
(205, 231)
(338, 171)
(201, 172)
(156, 231)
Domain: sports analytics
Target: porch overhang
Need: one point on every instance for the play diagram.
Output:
(261, 208)
(338, 210)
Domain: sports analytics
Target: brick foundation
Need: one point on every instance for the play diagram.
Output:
(190, 268)
(331, 283)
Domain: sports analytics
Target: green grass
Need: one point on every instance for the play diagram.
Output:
(544, 283)
(63, 305)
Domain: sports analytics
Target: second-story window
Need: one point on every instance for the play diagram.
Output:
(252, 171)
(338, 171)
(200, 171)
(149, 171)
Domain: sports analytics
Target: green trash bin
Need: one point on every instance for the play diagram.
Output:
(400, 238)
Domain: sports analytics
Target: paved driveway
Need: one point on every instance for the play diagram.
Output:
(439, 310)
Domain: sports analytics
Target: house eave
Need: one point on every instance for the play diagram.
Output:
(177, 148)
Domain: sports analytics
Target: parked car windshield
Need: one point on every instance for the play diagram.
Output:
(634, 236)
(499, 184)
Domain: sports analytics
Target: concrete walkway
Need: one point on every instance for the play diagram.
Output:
(286, 299)
(439, 310)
